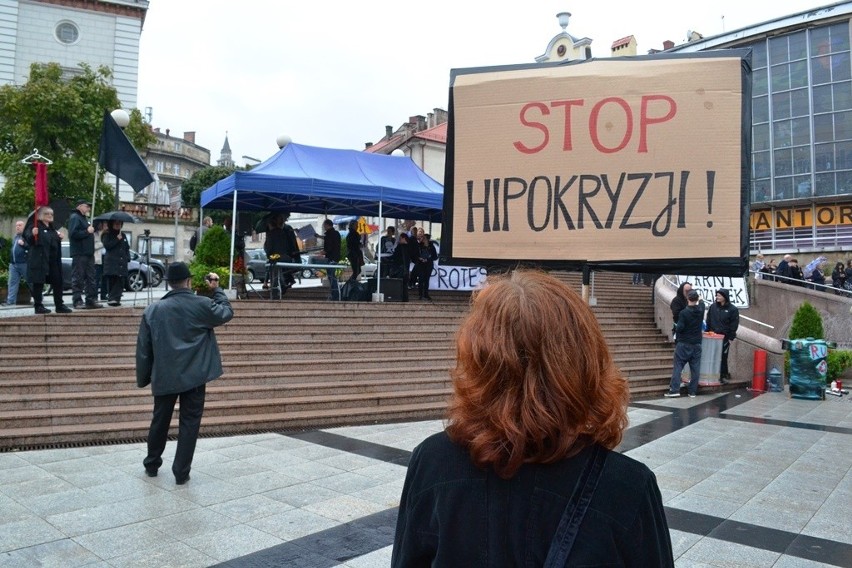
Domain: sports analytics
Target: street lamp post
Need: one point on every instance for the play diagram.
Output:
(122, 119)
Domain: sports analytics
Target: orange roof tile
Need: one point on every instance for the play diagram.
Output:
(436, 133)
(621, 42)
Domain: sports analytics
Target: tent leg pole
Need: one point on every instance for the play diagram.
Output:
(379, 255)
(233, 234)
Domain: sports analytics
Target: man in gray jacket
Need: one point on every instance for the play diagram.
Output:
(177, 354)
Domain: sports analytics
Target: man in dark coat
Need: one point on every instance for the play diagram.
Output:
(724, 318)
(44, 261)
(331, 251)
(400, 262)
(688, 348)
(177, 354)
(81, 236)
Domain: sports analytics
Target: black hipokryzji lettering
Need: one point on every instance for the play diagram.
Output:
(547, 200)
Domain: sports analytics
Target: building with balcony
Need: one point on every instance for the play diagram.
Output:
(173, 160)
(801, 177)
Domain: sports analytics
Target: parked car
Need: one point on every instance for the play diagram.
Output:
(257, 265)
(137, 272)
(158, 269)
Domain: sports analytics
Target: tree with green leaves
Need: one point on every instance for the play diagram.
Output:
(201, 180)
(807, 323)
(60, 116)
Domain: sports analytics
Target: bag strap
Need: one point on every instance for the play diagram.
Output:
(572, 517)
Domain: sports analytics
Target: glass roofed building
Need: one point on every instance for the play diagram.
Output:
(801, 178)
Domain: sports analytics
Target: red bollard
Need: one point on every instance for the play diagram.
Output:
(758, 380)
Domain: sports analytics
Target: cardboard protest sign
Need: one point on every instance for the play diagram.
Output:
(632, 164)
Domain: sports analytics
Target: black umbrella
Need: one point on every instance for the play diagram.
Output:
(122, 216)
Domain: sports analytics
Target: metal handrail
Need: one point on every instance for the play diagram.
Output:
(796, 282)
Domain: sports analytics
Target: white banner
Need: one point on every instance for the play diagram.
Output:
(706, 286)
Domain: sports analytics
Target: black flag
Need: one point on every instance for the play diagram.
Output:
(118, 156)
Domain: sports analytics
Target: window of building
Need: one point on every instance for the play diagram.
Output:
(158, 167)
(160, 246)
(67, 32)
(802, 116)
(177, 146)
(176, 169)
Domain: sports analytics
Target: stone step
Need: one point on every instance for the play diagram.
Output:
(222, 390)
(22, 436)
(214, 407)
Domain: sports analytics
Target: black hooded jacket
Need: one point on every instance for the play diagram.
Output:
(724, 318)
(678, 303)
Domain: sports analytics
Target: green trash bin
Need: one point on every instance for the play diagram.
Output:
(808, 367)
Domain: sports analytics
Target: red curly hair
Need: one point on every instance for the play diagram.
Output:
(534, 380)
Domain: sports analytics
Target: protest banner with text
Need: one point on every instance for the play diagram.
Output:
(633, 164)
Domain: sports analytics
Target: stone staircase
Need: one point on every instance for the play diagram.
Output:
(300, 362)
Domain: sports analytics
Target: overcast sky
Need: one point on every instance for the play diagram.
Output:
(334, 73)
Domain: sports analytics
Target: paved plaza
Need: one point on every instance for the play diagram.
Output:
(747, 480)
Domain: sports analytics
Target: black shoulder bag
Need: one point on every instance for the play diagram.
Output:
(569, 524)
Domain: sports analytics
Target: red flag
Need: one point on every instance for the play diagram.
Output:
(41, 198)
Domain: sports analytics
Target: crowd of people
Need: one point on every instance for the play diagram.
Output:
(789, 272)
(407, 255)
(99, 256)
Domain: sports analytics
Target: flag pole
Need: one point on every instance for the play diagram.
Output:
(94, 194)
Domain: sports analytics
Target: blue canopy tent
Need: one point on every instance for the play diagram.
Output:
(309, 179)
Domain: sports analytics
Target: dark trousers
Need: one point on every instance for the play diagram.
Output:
(726, 347)
(54, 279)
(100, 281)
(115, 287)
(83, 279)
(424, 273)
(191, 409)
(686, 353)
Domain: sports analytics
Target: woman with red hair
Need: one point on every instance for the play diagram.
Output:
(525, 467)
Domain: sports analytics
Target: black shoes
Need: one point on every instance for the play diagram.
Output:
(41, 310)
(181, 480)
(63, 309)
(92, 305)
(78, 305)
(113, 304)
(150, 472)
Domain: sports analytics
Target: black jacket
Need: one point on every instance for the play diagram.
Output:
(45, 252)
(116, 254)
(688, 326)
(331, 245)
(81, 240)
(725, 319)
(678, 303)
(353, 248)
(176, 348)
(453, 514)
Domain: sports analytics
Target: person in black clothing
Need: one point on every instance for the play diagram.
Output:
(724, 318)
(353, 250)
(679, 302)
(795, 273)
(426, 257)
(848, 273)
(688, 348)
(838, 277)
(331, 251)
(81, 237)
(116, 257)
(536, 399)
(44, 261)
(399, 263)
(413, 253)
